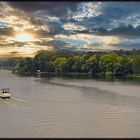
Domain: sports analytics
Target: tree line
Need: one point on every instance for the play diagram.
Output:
(114, 63)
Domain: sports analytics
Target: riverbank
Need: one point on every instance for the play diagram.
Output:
(76, 74)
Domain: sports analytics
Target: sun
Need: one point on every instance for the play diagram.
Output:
(23, 37)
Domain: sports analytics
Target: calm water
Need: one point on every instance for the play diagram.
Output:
(66, 107)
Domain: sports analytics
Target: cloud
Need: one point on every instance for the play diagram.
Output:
(48, 8)
(115, 13)
(78, 17)
(119, 10)
(6, 31)
(71, 25)
(88, 41)
(53, 43)
(126, 45)
(122, 31)
(14, 52)
(109, 15)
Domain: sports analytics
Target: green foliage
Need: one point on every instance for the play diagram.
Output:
(92, 64)
(25, 66)
(108, 64)
(123, 65)
(76, 65)
(60, 64)
(136, 64)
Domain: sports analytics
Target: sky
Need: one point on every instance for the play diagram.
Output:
(27, 27)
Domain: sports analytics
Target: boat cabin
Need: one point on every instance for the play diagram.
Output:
(5, 90)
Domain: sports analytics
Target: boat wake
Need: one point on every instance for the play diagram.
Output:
(15, 102)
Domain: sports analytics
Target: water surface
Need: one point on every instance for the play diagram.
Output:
(69, 107)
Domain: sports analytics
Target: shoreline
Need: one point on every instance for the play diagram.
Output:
(88, 75)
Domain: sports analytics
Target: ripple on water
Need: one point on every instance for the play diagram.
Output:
(82, 109)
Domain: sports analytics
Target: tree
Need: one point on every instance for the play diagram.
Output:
(76, 65)
(136, 64)
(107, 62)
(42, 58)
(113, 63)
(24, 66)
(60, 64)
(92, 64)
(123, 65)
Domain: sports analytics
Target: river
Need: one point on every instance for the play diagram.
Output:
(69, 107)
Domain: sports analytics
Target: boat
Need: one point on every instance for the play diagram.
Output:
(5, 93)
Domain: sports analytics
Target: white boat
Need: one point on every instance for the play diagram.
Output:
(5, 93)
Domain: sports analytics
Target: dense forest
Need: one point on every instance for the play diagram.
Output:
(114, 63)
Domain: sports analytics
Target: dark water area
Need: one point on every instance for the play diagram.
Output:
(67, 106)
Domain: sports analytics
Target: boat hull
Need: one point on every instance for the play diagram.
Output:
(5, 95)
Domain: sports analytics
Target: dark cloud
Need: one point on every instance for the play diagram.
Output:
(56, 28)
(40, 33)
(14, 52)
(111, 14)
(7, 31)
(127, 45)
(56, 45)
(53, 43)
(124, 31)
(114, 13)
(94, 45)
(53, 27)
(118, 10)
(59, 9)
(4, 43)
